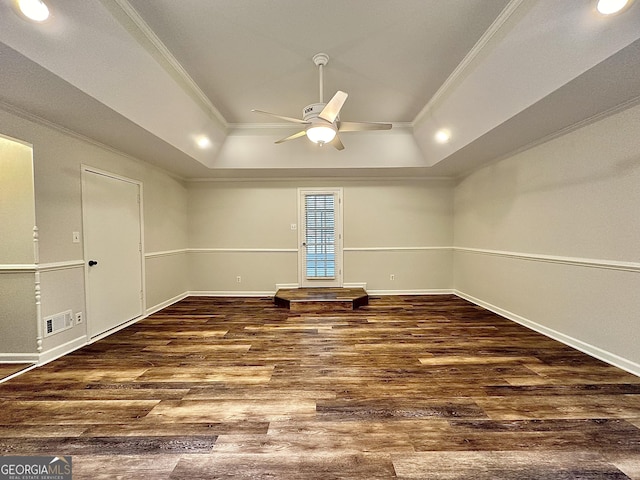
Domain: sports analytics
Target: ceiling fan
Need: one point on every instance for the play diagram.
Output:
(322, 120)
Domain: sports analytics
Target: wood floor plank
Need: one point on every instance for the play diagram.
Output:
(311, 465)
(231, 410)
(504, 465)
(73, 412)
(112, 446)
(203, 429)
(135, 467)
(428, 387)
(298, 444)
(248, 374)
(8, 369)
(567, 406)
(40, 431)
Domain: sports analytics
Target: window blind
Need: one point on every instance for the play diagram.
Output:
(320, 236)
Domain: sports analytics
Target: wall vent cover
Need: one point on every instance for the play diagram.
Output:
(58, 322)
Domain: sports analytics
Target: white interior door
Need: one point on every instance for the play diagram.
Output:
(320, 251)
(112, 229)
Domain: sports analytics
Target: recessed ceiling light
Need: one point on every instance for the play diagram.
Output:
(443, 136)
(35, 10)
(609, 7)
(203, 141)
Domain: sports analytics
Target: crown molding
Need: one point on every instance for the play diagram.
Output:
(467, 61)
(171, 61)
(257, 126)
(43, 122)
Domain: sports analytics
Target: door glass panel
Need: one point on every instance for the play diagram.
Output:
(320, 238)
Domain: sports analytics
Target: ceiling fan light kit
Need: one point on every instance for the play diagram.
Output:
(322, 119)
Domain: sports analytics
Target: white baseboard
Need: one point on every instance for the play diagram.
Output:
(116, 329)
(61, 350)
(596, 352)
(433, 291)
(231, 293)
(286, 286)
(165, 304)
(362, 285)
(18, 358)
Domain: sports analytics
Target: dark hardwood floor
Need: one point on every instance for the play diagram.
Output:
(8, 369)
(405, 387)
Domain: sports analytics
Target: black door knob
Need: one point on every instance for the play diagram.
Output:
(92, 263)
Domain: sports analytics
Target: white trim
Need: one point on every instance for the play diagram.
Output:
(596, 352)
(62, 350)
(18, 268)
(242, 250)
(18, 358)
(42, 267)
(55, 266)
(382, 177)
(392, 249)
(231, 293)
(286, 286)
(13, 110)
(289, 286)
(84, 171)
(263, 126)
(467, 61)
(166, 253)
(572, 261)
(38, 302)
(338, 209)
(88, 168)
(552, 136)
(168, 57)
(428, 291)
(115, 329)
(166, 303)
(362, 285)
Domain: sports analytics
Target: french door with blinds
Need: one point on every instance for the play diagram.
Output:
(320, 235)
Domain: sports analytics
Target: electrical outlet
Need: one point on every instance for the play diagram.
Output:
(294, 226)
(392, 277)
(78, 318)
(238, 279)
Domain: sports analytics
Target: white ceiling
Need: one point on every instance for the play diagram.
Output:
(390, 56)
(148, 76)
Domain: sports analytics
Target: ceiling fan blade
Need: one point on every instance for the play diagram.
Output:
(291, 137)
(332, 109)
(288, 119)
(337, 143)
(362, 126)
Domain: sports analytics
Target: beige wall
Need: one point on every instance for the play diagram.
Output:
(17, 316)
(58, 158)
(547, 237)
(17, 253)
(242, 228)
(17, 204)
(550, 237)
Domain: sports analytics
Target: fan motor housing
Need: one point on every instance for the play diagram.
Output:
(312, 111)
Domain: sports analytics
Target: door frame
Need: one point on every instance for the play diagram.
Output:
(338, 209)
(85, 170)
